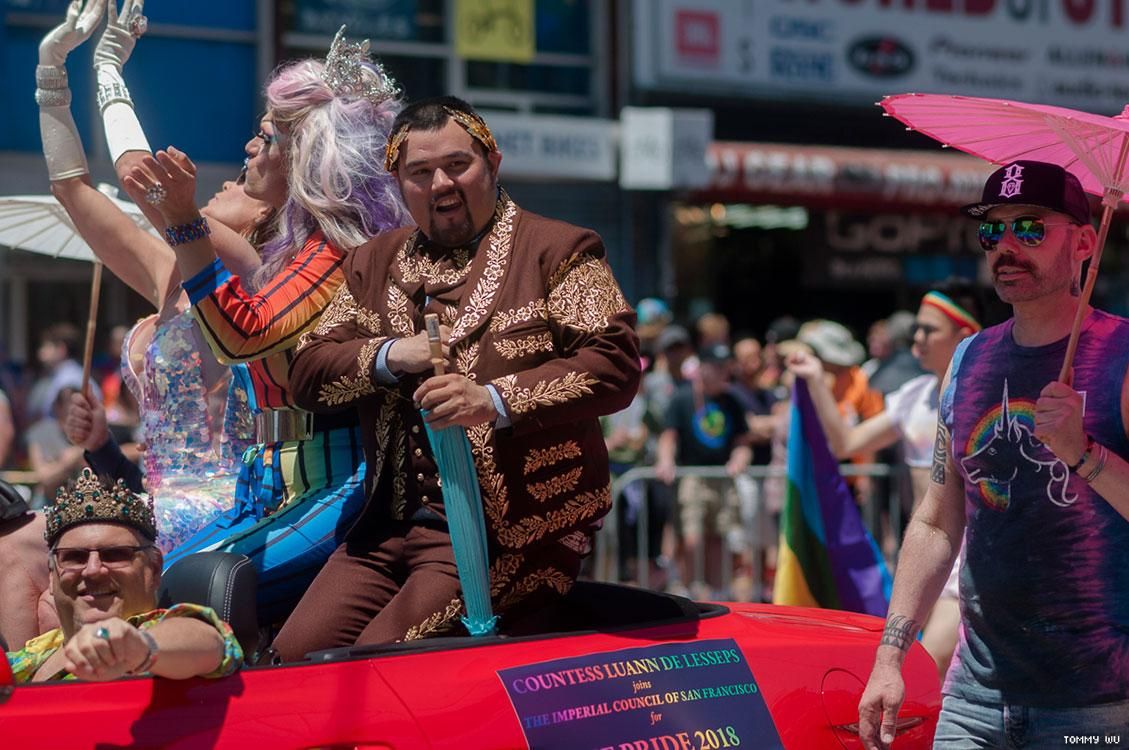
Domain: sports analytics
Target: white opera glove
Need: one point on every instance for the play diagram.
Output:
(122, 128)
(118, 39)
(62, 147)
(82, 18)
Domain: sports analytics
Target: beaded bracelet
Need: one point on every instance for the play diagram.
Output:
(51, 77)
(1087, 454)
(53, 97)
(181, 233)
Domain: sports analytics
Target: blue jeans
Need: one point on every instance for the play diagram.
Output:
(964, 726)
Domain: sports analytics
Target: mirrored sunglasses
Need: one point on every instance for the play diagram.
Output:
(1028, 230)
(75, 558)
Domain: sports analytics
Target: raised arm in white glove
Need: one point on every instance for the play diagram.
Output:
(62, 148)
(123, 130)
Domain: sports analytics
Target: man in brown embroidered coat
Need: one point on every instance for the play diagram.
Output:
(540, 344)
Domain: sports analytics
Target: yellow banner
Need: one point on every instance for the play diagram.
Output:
(501, 30)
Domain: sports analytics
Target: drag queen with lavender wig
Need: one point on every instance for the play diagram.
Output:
(318, 159)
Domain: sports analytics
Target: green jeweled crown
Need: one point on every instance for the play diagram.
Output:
(90, 500)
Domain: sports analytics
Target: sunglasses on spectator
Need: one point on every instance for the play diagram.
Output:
(1029, 230)
(75, 558)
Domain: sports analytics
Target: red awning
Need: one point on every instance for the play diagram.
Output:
(845, 178)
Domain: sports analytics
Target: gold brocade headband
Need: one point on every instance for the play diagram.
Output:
(89, 500)
(471, 123)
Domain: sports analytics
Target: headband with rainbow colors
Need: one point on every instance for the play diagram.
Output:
(951, 310)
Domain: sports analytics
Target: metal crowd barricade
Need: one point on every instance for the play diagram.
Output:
(607, 566)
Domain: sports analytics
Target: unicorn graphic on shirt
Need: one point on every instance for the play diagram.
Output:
(1003, 449)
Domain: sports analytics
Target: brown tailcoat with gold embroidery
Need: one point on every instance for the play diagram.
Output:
(543, 319)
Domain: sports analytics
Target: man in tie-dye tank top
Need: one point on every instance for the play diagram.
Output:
(1033, 474)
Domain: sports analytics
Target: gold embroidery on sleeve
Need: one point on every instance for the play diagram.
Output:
(342, 308)
(515, 348)
(586, 295)
(349, 388)
(368, 320)
(545, 393)
(398, 316)
(539, 458)
(554, 486)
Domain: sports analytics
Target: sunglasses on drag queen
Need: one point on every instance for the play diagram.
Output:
(1028, 230)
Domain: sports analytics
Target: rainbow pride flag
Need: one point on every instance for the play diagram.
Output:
(827, 557)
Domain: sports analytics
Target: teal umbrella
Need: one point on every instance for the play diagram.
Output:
(462, 500)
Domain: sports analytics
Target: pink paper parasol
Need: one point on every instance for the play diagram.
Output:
(1092, 147)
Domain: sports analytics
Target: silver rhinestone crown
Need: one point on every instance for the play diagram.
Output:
(345, 72)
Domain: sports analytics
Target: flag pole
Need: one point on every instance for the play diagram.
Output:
(91, 326)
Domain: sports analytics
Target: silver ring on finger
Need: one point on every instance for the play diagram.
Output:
(103, 633)
(156, 194)
(137, 24)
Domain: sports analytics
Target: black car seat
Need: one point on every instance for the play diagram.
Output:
(12, 503)
(221, 580)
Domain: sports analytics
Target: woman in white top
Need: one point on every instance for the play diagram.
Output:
(943, 321)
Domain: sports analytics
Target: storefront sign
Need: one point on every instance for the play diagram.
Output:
(667, 697)
(786, 173)
(554, 147)
(376, 19)
(497, 30)
(664, 149)
(860, 249)
(1067, 52)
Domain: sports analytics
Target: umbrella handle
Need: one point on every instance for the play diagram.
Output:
(1084, 299)
(431, 321)
(91, 326)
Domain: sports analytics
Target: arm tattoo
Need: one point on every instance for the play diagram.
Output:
(900, 632)
(940, 453)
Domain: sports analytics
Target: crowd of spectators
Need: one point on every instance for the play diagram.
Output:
(34, 451)
(715, 404)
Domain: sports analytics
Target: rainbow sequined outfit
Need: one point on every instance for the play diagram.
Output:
(191, 415)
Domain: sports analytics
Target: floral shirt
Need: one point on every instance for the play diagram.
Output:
(27, 660)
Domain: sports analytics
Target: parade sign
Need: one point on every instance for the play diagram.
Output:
(1066, 52)
(678, 696)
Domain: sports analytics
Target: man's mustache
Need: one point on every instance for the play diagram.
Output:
(450, 193)
(1013, 262)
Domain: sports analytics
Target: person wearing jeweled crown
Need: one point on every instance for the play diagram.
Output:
(105, 573)
(317, 160)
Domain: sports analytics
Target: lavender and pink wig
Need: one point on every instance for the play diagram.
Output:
(335, 156)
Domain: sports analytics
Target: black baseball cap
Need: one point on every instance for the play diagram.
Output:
(1033, 183)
